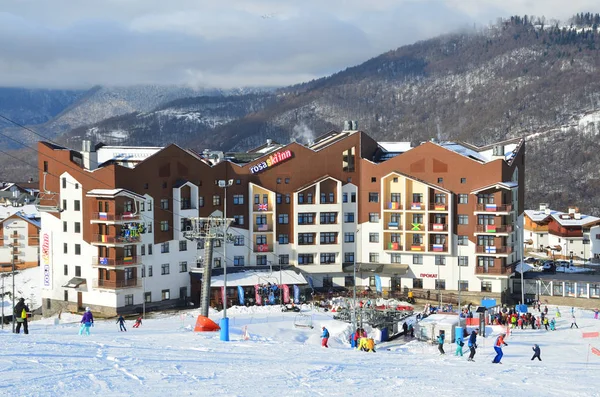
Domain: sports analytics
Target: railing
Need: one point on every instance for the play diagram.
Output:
(127, 261)
(102, 238)
(109, 217)
(187, 207)
(438, 206)
(263, 248)
(493, 207)
(492, 270)
(491, 249)
(438, 227)
(116, 284)
(494, 228)
(438, 248)
(392, 205)
(263, 228)
(393, 247)
(17, 236)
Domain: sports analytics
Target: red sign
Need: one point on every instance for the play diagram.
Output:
(428, 275)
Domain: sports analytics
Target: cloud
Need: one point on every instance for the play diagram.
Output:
(68, 43)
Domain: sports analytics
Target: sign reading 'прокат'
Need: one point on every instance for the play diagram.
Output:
(272, 160)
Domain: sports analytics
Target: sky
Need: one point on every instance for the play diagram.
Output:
(226, 43)
(164, 357)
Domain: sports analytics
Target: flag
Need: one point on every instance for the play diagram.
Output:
(595, 351)
(257, 294)
(415, 206)
(490, 207)
(490, 250)
(378, 283)
(262, 228)
(127, 215)
(104, 238)
(104, 261)
(241, 294)
(262, 207)
(286, 293)
(490, 228)
(296, 294)
(393, 205)
(415, 248)
(392, 225)
(103, 215)
(438, 247)
(128, 260)
(416, 226)
(438, 226)
(262, 247)
(440, 206)
(393, 246)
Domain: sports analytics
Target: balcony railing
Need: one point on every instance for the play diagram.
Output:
(394, 247)
(491, 249)
(494, 207)
(438, 227)
(127, 261)
(492, 270)
(116, 284)
(109, 217)
(392, 205)
(494, 229)
(102, 238)
(438, 248)
(258, 248)
(263, 228)
(438, 207)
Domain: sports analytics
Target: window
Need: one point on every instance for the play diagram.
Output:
(238, 240)
(373, 237)
(463, 240)
(283, 219)
(373, 217)
(463, 261)
(323, 198)
(182, 245)
(464, 180)
(238, 181)
(182, 267)
(417, 259)
(287, 198)
(349, 257)
(216, 200)
(309, 198)
(149, 270)
(66, 270)
(278, 181)
(440, 180)
(306, 218)
(395, 258)
(485, 198)
(65, 248)
(284, 239)
(417, 218)
(327, 257)
(331, 197)
(344, 197)
(64, 206)
(201, 201)
(77, 271)
(287, 180)
(265, 199)
(373, 257)
(395, 197)
(440, 260)
(349, 217)
(348, 160)
(463, 285)
(261, 260)
(278, 198)
(216, 263)
(395, 179)
(164, 247)
(238, 261)
(417, 198)
(349, 281)
(417, 283)
(128, 300)
(238, 199)
(238, 219)
(77, 205)
(300, 198)
(149, 249)
(306, 238)
(217, 243)
(486, 286)
(142, 249)
(65, 226)
(164, 185)
(261, 239)
(164, 204)
(463, 219)
(373, 197)
(328, 237)
(373, 179)
(64, 183)
(77, 227)
(261, 219)
(349, 237)
(486, 261)
(66, 295)
(305, 259)
(165, 294)
(164, 226)
(440, 284)
(147, 297)
(143, 206)
(164, 269)
(146, 186)
(77, 249)
(328, 218)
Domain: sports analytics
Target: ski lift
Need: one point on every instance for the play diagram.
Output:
(303, 321)
(47, 201)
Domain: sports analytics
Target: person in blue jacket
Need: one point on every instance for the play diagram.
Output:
(459, 346)
(536, 352)
(121, 322)
(440, 341)
(324, 337)
(87, 321)
(473, 343)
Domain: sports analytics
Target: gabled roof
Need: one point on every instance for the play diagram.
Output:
(28, 218)
(497, 185)
(561, 218)
(111, 193)
(417, 180)
(321, 179)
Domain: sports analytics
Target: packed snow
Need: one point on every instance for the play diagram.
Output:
(164, 356)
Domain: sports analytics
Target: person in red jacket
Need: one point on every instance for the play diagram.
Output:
(498, 348)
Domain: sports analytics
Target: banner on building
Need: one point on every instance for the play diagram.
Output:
(296, 294)
(241, 294)
(46, 260)
(378, 287)
(286, 293)
(257, 295)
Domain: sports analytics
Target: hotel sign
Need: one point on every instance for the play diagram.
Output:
(274, 159)
(428, 275)
(46, 264)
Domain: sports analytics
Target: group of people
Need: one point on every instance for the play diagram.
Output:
(359, 340)
(87, 321)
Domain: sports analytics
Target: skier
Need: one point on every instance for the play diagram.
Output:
(138, 322)
(370, 345)
(459, 346)
(552, 325)
(324, 337)
(536, 352)
(411, 330)
(405, 329)
(498, 348)
(440, 340)
(595, 314)
(473, 343)
(87, 321)
(573, 322)
(20, 314)
(121, 322)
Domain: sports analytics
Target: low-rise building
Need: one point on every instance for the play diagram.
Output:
(19, 242)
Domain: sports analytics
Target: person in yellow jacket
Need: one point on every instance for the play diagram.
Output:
(370, 345)
(20, 313)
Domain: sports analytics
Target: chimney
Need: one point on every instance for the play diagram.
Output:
(577, 216)
(572, 210)
(269, 141)
(347, 125)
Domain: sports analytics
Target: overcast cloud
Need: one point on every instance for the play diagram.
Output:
(226, 43)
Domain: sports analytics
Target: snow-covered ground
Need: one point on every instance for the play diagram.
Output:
(165, 357)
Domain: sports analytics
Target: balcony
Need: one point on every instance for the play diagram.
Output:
(262, 228)
(493, 208)
(116, 284)
(438, 207)
(494, 229)
(498, 270)
(490, 249)
(103, 239)
(415, 247)
(438, 248)
(392, 205)
(258, 248)
(394, 226)
(393, 247)
(102, 217)
(109, 262)
(15, 236)
(438, 227)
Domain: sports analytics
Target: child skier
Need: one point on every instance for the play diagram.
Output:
(325, 337)
(536, 352)
(459, 346)
(138, 322)
(121, 322)
(440, 341)
(573, 322)
(498, 348)
(552, 325)
(87, 321)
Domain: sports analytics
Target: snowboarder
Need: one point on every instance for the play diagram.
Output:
(498, 348)
(536, 352)
(324, 337)
(138, 322)
(87, 321)
(573, 322)
(473, 344)
(459, 346)
(20, 313)
(121, 322)
(440, 341)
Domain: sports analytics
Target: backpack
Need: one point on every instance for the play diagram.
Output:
(23, 314)
(461, 343)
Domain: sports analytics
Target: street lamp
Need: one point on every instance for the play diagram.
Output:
(144, 293)
(520, 258)
(224, 323)
(12, 262)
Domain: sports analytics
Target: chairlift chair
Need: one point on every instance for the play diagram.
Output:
(303, 321)
(47, 201)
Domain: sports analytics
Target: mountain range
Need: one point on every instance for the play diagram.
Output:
(517, 78)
